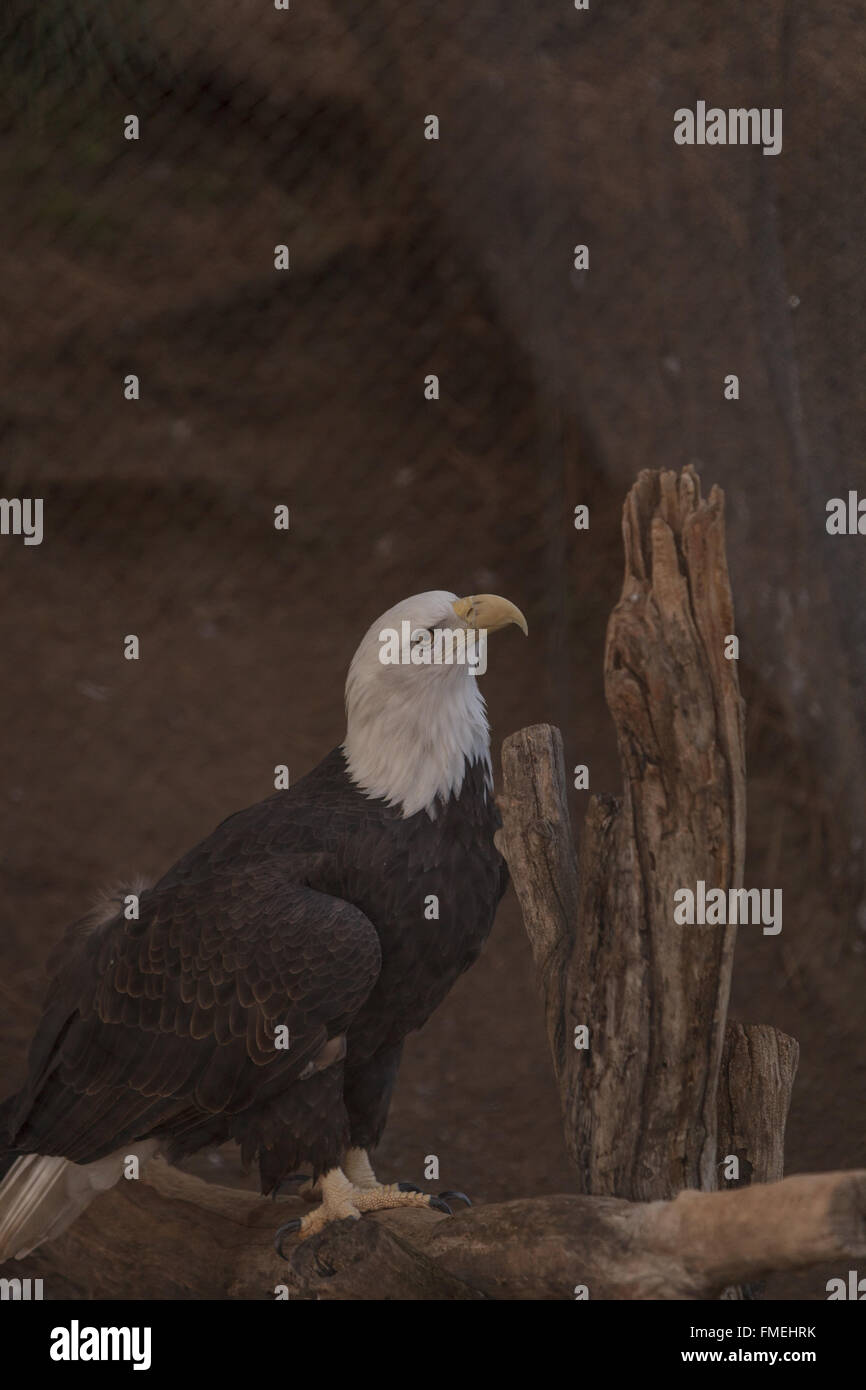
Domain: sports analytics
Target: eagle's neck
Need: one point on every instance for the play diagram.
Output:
(414, 753)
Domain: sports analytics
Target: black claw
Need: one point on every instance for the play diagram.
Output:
(407, 1187)
(457, 1196)
(438, 1205)
(291, 1228)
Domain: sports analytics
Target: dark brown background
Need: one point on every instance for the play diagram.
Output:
(306, 388)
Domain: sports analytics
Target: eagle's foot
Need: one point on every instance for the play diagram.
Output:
(397, 1194)
(337, 1205)
(359, 1170)
(343, 1201)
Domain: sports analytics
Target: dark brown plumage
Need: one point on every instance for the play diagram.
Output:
(305, 910)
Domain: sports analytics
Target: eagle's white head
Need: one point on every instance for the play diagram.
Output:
(414, 718)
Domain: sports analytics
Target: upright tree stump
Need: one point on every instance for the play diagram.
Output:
(640, 1100)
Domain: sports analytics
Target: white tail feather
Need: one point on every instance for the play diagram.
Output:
(40, 1197)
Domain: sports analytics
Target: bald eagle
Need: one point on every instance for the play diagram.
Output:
(265, 989)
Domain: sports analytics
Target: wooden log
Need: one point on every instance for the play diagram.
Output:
(640, 1101)
(171, 1235)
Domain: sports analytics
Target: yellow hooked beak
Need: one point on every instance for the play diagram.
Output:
(489, 611)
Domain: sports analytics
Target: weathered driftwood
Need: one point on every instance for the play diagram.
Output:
(640, 1100)
(171, 1235)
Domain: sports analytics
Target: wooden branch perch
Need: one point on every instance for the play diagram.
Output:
(171, 1235)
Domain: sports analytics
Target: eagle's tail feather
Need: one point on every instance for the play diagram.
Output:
(33, 1201)
(41, 1196)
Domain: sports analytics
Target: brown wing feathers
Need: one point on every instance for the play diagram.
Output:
(155, 1021)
